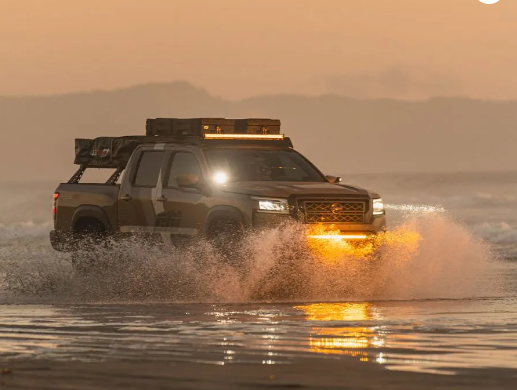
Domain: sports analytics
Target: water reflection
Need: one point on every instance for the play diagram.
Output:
(330, 338)
(339, 311)
(431, 336)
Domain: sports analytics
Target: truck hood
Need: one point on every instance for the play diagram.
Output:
(286, 189)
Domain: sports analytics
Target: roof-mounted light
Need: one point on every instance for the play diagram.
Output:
(277, 137)
(339, 237)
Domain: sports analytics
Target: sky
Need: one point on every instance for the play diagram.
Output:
(406, 49)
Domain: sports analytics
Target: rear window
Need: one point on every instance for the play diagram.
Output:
(149, 168)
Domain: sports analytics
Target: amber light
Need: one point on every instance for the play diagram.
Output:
(338, 237)
(331, 245)
(277, 137)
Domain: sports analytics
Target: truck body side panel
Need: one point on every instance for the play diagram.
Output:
(156, 198)
(73, 196)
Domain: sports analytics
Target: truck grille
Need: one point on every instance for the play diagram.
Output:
(334, 211)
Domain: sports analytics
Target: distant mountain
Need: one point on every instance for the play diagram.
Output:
(341, 135)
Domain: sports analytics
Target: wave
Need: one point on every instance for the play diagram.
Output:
(497, 233)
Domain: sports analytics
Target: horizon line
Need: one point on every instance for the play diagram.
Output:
(194, 86)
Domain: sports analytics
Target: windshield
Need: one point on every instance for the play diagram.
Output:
(261, 165)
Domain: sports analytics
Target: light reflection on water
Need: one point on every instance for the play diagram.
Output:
(430, 336)
(348, 340)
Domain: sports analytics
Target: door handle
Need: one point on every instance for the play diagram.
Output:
(126, 198)
(161, 199)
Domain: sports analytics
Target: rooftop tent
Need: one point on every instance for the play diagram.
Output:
(105, 152)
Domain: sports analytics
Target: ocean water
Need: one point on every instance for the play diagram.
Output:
(441, 299)
(484, 203)
(465, 227)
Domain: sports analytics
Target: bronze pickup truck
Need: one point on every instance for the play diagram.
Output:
(204, 177)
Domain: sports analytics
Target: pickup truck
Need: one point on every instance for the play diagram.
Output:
(204, 177)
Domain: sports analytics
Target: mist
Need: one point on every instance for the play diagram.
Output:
(401, 49)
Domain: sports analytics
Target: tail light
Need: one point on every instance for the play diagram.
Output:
(54, 206)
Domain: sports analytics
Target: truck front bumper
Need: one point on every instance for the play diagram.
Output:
(350, 231)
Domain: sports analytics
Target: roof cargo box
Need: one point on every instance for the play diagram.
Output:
(193, 126)
(257, 126)
(105, 152)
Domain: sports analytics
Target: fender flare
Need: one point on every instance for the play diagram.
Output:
(228, 212)
(91, 211)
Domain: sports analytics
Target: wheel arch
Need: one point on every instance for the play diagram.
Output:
(92, 212)
(219, 213)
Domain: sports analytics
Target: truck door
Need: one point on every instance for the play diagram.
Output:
(184, 211)
(137, 206)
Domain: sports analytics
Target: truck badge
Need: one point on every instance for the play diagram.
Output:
(336, 208)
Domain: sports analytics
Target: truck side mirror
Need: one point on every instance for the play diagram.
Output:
(187, 181)
(333, 179)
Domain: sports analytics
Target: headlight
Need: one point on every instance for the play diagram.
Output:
(378, 207)
(220, 178)
(273, 205)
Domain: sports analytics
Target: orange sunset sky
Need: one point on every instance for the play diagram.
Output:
(238, 48)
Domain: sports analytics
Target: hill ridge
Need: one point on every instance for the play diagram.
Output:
(340, 134)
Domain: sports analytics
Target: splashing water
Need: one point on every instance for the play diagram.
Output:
(416, 208)
(427, 255)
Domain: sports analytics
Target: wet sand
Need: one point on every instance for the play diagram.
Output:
(366, 345)
(305, 374)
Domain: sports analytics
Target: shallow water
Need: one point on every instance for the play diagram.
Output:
(439, 336)
(442, 298)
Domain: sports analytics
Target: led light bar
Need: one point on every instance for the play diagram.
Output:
(278, 137)
(338, 237)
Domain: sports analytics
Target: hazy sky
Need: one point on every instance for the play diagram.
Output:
(239, 48)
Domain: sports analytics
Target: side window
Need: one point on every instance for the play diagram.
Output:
(182, 163)
(149, 169)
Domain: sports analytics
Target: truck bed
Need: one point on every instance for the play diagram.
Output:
(76, 197)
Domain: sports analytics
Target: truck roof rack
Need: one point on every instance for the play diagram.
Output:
(202, 126)
(114, 152)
